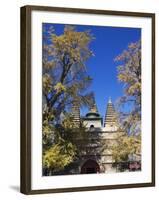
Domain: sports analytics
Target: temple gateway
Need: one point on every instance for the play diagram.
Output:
(97, 154)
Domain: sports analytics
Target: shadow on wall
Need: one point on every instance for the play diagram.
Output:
(15, 188)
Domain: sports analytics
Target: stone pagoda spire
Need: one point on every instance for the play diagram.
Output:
(110, 117)
(92, 119)
(76, 113)
(94, 108)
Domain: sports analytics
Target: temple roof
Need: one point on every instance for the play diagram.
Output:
(93, 113)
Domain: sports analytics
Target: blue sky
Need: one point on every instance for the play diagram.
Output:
(109, 42)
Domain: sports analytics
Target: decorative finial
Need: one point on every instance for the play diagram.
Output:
(109, 101)
(94, 108)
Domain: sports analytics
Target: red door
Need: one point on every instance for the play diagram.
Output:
(90, 167)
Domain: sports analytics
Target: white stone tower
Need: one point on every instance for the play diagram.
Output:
(76, 113)
(93, 118)
(110, 122)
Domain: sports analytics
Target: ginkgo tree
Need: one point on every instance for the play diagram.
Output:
(126, 146)
(64, 71)
(64, 80)
(129, 105)
(129, 73)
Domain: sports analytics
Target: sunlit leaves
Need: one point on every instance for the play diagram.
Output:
(65, 80)
(130, 70)
(126, 146)
(73, 45)
(64, 72)
(129, 73)
(59, 87)
(63, 146)
(56, 157)
(47, 83)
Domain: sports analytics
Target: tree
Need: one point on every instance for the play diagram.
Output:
(64, 145)
(55, 158)
(129, 105)
(65, 80)
(129, 73)
(65, 75)
(126, 146)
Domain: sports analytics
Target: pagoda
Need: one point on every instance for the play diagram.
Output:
(110, 122)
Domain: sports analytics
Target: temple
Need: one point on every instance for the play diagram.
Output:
(97, 156)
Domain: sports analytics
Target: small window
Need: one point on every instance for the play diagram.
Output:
(91, 127)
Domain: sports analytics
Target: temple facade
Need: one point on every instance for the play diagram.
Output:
(97, 154)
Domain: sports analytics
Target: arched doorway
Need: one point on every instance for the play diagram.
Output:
(90, 167)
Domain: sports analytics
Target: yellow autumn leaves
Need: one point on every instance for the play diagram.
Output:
(57, 158)
(59, 87)
(125, 146)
